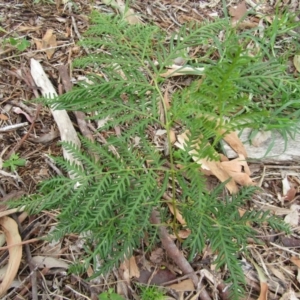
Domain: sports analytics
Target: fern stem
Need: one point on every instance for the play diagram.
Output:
(172, 167)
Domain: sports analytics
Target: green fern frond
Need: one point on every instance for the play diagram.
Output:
(113, 199)
(219, 222)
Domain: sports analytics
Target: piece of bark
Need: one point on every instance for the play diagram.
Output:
(64, 124)
(290, 242)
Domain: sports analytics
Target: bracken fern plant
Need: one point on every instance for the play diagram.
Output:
(110, 200)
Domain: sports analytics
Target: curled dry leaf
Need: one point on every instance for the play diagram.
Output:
(133, 268)
(184, 233)
(179, 216)
(208, 166)
(263, 283)
(124, 270)
(235, 143)
(263, 291)
(129, 269)
(238, 12)
(18, 110)
(183, 286)
(10, 229)
(291, 194)
(49, 41)
(238, 170)
(216, 168)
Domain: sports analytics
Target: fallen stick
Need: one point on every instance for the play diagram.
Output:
(13, 127)
(177, 256)
(23, 139)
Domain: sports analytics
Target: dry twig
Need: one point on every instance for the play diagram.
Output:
(177, 256)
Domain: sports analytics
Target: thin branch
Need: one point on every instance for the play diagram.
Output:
(177, 256)
(13, 127)
(16, 148)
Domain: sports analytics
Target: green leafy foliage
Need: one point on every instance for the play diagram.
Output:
(21, 44)
(110, 295)
(110, 200)
(13, 162)
(151, 293)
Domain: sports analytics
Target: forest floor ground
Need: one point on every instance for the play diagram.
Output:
(26, 29)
